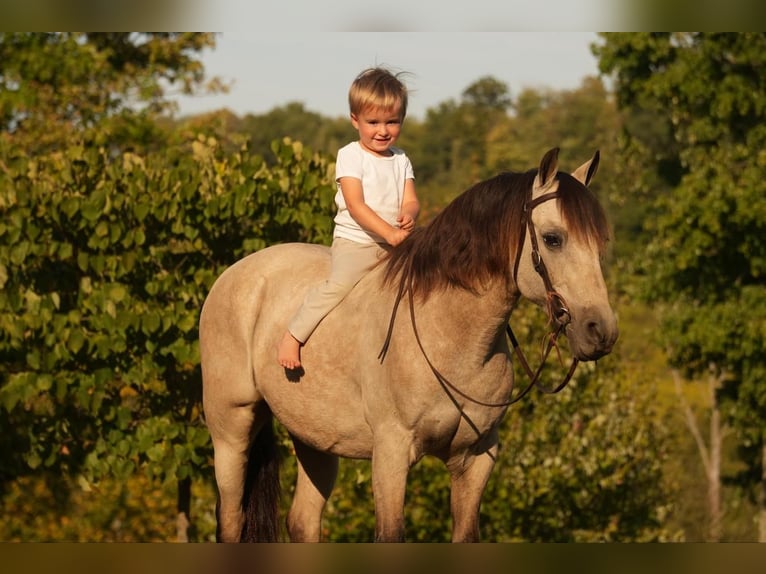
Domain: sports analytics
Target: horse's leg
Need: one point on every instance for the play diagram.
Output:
(317, 472)
(390, 466)
(230, 431)
(469, 479)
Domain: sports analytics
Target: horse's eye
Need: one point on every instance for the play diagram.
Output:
(552, 240)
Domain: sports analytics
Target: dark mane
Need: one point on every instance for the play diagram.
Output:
(474, 238)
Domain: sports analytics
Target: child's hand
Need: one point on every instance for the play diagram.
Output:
(405, 222)
(397, 235)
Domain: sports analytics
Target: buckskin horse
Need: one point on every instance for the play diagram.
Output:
(415, 361)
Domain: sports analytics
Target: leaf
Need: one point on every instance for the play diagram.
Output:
(150, 322)
(187, 322)
(155, 453)
(19, 252)
(90, 210)
(117, 292)
(33, 359)
(70, 206)
(82, 260)
(44, 382)
(75, 341)
(141, 210)
(33, 460)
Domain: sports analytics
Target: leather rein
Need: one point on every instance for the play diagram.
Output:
(558, 314)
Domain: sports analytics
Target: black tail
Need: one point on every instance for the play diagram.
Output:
(260, 500)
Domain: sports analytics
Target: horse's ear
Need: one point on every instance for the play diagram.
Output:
(586, 171)
(549, 166)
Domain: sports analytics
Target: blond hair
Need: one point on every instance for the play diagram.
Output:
(378, 88)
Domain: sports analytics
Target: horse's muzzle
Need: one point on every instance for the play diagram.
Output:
(594, 336)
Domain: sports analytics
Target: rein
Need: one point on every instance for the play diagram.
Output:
(558, 313)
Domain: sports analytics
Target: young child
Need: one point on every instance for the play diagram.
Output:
(377, 204)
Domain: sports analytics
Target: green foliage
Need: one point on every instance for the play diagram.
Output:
(585, 464)
(109, 85)
(105, 262)
(590, 460)
(51, 507)
(704, 262)
(451, 148)
(299, 124)
(578, 121)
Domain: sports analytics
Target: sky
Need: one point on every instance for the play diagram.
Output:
(271, 69)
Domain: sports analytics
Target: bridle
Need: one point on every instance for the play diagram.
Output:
(558, 312)
(558, 315)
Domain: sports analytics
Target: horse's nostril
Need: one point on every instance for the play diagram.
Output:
(596, 333)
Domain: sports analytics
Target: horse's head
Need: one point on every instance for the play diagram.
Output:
(559, 266)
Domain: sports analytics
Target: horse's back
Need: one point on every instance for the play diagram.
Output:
(298, 263)
(280, 273)
(247, 311)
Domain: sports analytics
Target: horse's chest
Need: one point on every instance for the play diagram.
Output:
(453, 428)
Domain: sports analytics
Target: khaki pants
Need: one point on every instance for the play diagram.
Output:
(350, 262)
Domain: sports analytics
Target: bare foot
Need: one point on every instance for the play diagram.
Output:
(289, 352)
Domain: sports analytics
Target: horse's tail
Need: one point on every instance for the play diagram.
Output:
(260, 500)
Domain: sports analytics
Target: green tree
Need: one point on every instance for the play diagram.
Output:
(107, 85)
(450, 149)
(104, 264)
(294, 121)
(578, 121)
(112, 228)
(706, 257)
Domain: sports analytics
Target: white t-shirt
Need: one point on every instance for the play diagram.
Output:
(382, 184)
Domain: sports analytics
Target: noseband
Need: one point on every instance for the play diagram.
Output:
(558, 314)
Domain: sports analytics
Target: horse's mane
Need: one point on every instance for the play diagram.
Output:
(474, 238)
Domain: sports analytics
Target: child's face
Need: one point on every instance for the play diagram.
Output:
(378, 129)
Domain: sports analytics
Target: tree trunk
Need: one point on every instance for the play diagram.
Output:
(714, 470)
(762, 497)
(710, 454)
(183, 521)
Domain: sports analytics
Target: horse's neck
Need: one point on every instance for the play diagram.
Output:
(476, 321)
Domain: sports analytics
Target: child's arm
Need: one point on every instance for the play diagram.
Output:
(410, 207)
(363, 214)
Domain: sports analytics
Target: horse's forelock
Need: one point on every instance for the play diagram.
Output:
(582, 212)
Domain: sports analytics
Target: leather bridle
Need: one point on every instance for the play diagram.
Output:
(558, 315)
(558, 312)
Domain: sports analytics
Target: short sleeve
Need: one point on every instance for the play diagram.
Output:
(409, 172)
(348, 163)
